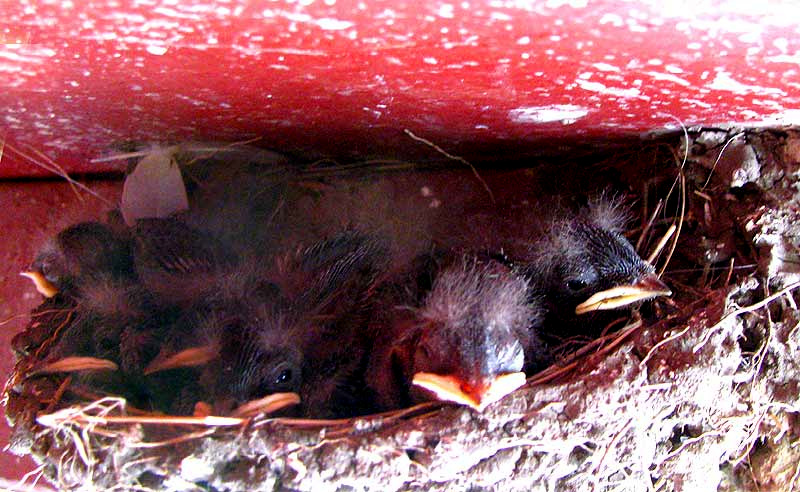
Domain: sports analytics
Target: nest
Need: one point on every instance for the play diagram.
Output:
(697, 393)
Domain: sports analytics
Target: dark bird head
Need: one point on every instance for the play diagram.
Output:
(240, 339)
(256, 355)
(77, 255)
(585, 264)
(331, 285)
(469, 340)
(122, 324)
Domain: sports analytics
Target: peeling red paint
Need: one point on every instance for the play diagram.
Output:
(345, 77)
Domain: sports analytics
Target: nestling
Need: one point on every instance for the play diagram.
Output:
(113, 331)
(78, 255)
(292, 328)
(464, 332)
(584, 264)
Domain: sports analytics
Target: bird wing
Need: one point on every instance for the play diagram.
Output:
(172, 246)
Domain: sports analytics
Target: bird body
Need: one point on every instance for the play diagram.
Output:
(217, 303)
(176, 262)
(290, 325)
(456, 335)
(583, 264)
(112, 330)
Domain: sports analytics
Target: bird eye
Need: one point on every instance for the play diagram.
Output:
(284, 376)
(49, 270)
(576, 284)
(107, 344)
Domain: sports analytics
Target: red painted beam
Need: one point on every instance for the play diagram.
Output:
(345, 77)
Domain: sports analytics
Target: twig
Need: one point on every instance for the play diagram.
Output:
(616, 338)
(621, 336)
(752, 437)
(387, 417)
(314, 170)
(688, 442)
(56, 333)
(702, 195)
(674, 245)
(614, 440)
(12, 318)
(649, 224)
(175, 440)
(693, 270)
(58, 394)
(144, 152)
(752, 474)
(680, 181)
(789, 299)
(795, 476)
(730, 274)
(37, 473)
(672, 337)
(762, 351)
(70, 415)
(215, 151)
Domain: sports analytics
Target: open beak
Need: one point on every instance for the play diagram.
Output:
(645, 288)
(268, 404)
(43, 285)
(451, 388)
(191, 357)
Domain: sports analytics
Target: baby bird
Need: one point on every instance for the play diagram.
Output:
(462, 332)
(292, 328)
(583, 264)
(238, 349)
(77, 256)
(110, 333)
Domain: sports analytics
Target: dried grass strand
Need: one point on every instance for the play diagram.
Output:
(452, 157)
(661, 244)
(649, 225)
(604, 345)
(719, 157)
(50, 165)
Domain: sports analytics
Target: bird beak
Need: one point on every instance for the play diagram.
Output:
(43, 285)
(645, 288)
(72, 364)
(268, 404)
(191, 357)
(451, 388)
